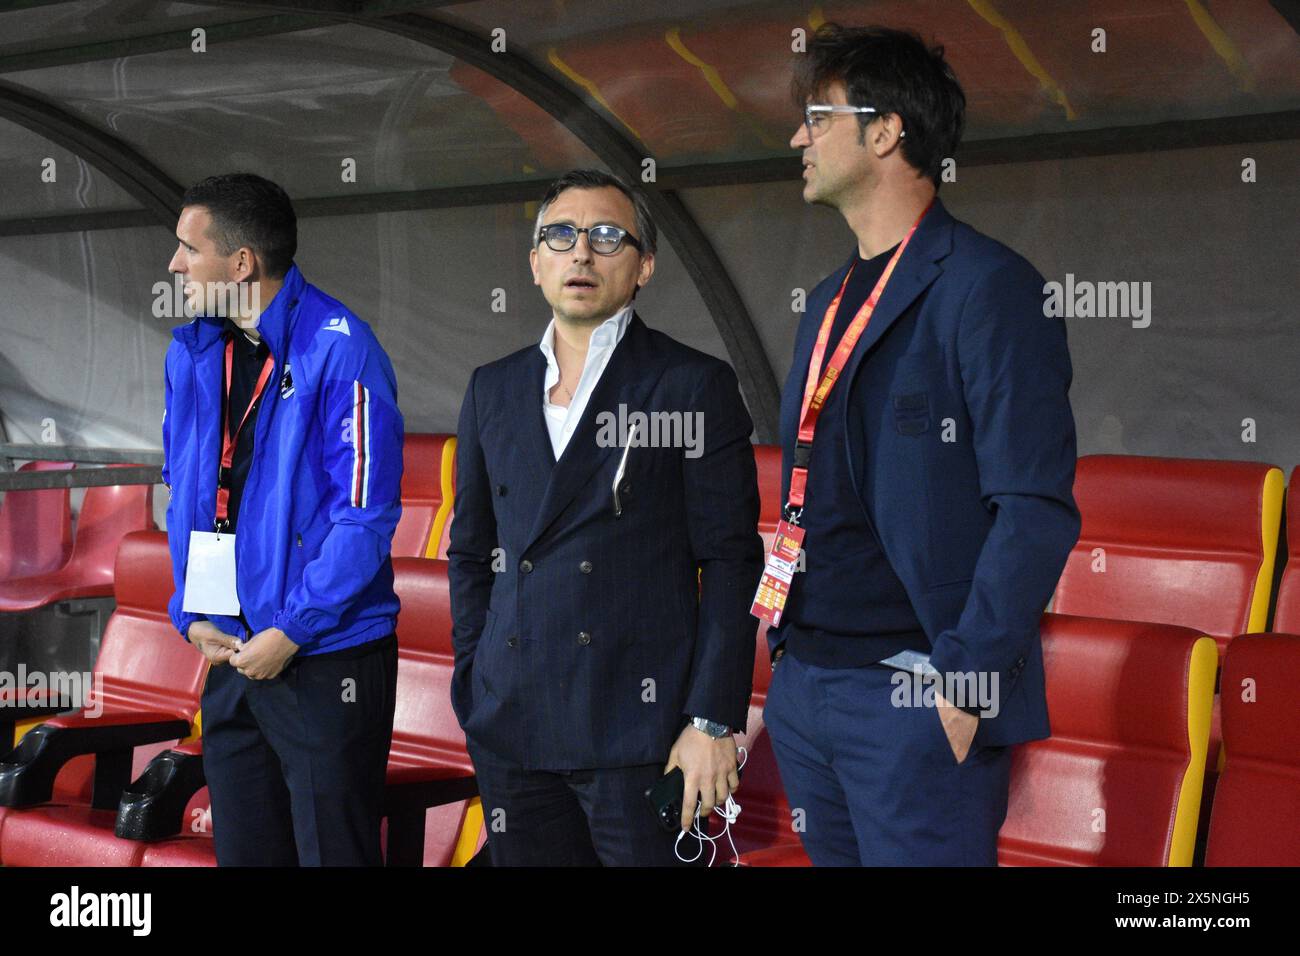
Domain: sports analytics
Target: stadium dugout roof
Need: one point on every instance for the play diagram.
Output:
(444, 104)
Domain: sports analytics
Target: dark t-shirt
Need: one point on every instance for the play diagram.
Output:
(847, 608)
(245, 366)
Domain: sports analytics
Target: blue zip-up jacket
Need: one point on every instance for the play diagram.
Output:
(323, 492)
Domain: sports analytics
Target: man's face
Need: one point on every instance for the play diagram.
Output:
(835, 164)
(580, 286)
(197, 258)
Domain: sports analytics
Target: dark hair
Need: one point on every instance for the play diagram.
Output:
(893, 71)
(646, 232)
(248, 210)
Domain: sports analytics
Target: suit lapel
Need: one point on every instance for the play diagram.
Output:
(535, 437)
(915, 271)
(632, 372)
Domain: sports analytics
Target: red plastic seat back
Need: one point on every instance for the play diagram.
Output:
(1174, 541)
(1257, 801)
(1287, 616)
(765, 820)
(35, 527)
(766, 816)
(107, 514)
(143, 662)
(428, 463)
(1119, 781)
(768, 460)
(424, 727)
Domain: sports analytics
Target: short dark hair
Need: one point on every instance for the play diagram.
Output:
(646, 232)
(895, 72)
(248, 210)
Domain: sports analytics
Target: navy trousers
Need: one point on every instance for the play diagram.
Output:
(871, 779)
(295, 765)
(573, 818)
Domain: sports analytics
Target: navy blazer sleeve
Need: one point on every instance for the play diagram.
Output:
(1015, 371)
(469, 552)
(721, 487)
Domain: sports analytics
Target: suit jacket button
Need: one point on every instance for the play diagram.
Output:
(584, 638)
(625, 489)
(526, 566)
(585, 567)
(501, 491)
(512, 642)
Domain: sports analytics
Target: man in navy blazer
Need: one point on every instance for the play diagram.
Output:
(603, 556)
(938, 510)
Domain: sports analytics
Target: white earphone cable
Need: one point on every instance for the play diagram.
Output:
(729, 813)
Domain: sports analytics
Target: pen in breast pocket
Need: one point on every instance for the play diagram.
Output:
(622, 467)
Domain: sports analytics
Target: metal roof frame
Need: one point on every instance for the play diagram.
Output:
(161, 197)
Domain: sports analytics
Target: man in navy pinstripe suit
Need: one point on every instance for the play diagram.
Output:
(603, 557)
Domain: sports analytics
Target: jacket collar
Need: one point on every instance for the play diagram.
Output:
(632, 372)
(916, 269)
(274, 326)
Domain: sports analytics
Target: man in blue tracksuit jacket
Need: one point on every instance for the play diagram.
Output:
(282, 422)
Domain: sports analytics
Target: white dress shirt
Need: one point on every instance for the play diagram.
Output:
(560, 421)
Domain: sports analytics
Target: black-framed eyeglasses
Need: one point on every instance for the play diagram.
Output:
(817, 117)
(605, 240)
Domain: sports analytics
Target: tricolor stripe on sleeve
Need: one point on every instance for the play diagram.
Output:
(360, 445)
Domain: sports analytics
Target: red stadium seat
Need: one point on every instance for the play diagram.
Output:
(35, 527)
(1119, 781)
(1286, 617)
(107, 513)
(181, 851)
(1130, 710)
(1174, 541)
(764, 834)
(193, 846)
(1257, 800)
(148, 682)
(428, 477)
(768, 460)
(430, 776)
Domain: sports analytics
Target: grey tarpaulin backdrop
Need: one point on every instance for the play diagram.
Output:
(81, 347)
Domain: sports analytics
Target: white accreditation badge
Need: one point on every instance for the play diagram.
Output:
(210, 574)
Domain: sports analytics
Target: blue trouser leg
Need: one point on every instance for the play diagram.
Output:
(874, 773)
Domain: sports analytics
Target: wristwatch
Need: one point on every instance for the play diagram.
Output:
(710, 727)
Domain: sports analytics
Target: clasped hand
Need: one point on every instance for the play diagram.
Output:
(262, 657)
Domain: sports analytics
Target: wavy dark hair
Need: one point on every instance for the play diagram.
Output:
(894, 72)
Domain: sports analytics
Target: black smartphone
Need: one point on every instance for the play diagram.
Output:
(666, 799)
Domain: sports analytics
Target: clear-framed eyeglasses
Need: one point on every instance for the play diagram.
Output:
(817, 116)
(605, 240)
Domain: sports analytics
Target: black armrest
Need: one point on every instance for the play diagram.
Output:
(27, 772)
(26, 705)
(406, 800)
(153, 807)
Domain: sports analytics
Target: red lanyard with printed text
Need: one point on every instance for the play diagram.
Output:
(228, 441)
(817, 389)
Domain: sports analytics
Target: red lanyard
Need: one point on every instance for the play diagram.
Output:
(816, 391)
(228, 441)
